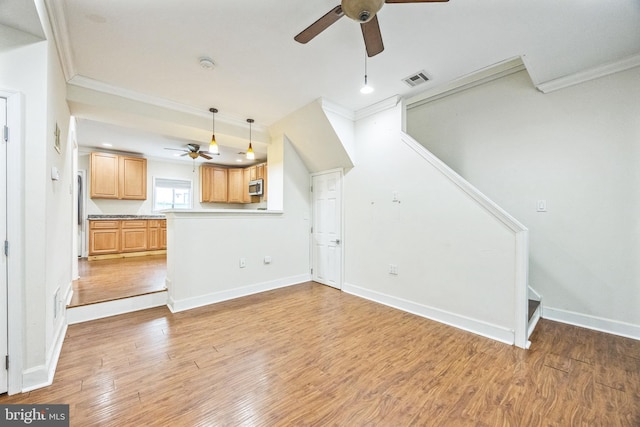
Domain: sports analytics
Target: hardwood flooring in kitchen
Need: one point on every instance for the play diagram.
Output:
(117, 278)
(312, 355)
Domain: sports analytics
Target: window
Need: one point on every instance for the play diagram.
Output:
(171, 194)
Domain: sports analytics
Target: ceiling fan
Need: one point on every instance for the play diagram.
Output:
(193, 151)
(363, 11)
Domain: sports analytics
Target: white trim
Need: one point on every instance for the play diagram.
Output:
(485, 75)
(378, 107)
(468, 324)
(502, 215)
(190, 303)
(42, 376)
(533, 294)
(534, 320)
(101, 310)
(595, 323)
(15, 262)
(60, 31)
(332, 107)
(81, 81)
(521, 235)
(590, 74)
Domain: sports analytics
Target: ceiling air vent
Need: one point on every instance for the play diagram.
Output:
(416, 79)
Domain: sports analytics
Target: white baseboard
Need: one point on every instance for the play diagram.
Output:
(215, 297)
(477, 327)
(86, 313)
(609, 326)
(42, 376)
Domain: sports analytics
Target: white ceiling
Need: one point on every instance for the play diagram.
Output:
(152, 47)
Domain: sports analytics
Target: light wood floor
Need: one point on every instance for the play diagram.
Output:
(111, 279)
(312, 355)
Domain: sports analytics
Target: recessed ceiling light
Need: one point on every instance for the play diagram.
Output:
(106, 144)
(239, 160)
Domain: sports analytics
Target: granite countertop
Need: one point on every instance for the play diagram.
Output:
(115, 216)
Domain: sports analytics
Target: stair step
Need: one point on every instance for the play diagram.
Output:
(533, 306)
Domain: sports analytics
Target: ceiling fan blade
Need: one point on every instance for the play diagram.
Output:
(205, 156)
(320, 25)
(372, 37)
(415, 1)
(186, 153)
(175, 149)
(209, 153)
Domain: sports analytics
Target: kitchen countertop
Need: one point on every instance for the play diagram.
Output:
(114, 216)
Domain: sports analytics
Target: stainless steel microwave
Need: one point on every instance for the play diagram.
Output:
(255, 187)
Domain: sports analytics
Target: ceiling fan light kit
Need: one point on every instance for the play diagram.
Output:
(362, 11)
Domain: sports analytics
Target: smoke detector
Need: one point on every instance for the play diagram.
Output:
(207, 63)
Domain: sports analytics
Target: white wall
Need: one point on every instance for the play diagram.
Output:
(577, 148)
(455, 261)
(34, 70)
(204, 248)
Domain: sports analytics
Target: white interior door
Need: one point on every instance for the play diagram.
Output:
(3, 257)
(327, 228)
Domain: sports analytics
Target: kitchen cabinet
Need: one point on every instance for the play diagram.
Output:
(108, 237)
(118, 177)
(236, 187)
(246, 178)
(163, 235)
(133, 235)
(104, 237)
(231, 185)
(213, 184)
(153, 234)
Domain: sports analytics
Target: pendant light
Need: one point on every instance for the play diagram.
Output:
(250, 154)
(366, 88)
(213, 145)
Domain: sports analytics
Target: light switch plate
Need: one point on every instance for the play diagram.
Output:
(541, 206)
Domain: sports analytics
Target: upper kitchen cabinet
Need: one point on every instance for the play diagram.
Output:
(213, 184)
(118, 177)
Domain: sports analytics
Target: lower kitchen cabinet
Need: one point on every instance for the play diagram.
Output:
(133, 237)
(104, 237)
(126, 236)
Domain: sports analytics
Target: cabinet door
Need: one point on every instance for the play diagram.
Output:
(265, 185)
(246, 177)
(260, 171)
(133, 240)
(153, 239)
(163, 238)
(133, 178)
(219, 187)
(206, 183)
(104, 237)
(236, 185)
(104, 175)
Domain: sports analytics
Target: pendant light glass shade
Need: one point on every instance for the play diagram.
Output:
(213, 145)
(366, 88)
(250, 154)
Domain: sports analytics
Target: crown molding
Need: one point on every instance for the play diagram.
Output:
(484, 75)
(372, 109)
(58, 24)
(590, 74)
(332, 107)
(98, 86)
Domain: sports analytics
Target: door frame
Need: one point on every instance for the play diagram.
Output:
(15, 262)
(311, 240)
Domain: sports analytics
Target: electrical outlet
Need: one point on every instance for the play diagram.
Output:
(243, 262)
(393, 269)
(267, 259)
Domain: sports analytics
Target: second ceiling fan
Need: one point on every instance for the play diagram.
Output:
(363, 11)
